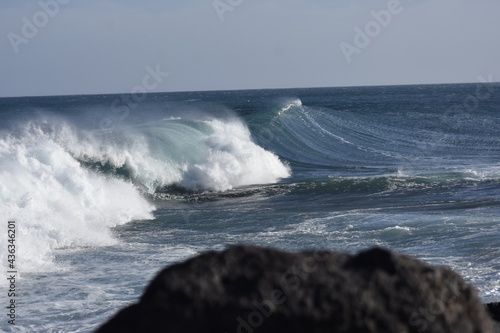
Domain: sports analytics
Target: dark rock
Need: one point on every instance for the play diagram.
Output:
(494, 311)
(248, 289)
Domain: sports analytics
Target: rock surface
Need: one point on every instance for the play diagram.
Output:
(494, 311)
(248, 289)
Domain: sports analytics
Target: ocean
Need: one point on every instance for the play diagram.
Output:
(103, 191)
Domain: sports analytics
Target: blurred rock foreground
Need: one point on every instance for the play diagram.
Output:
(248, 289)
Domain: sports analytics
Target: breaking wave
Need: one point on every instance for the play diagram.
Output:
(66, 186)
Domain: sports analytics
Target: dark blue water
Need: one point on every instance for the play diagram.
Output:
(108, 189)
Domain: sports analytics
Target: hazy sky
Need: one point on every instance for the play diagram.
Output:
(54, 47)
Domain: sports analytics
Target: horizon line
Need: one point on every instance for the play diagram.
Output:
(250, 89)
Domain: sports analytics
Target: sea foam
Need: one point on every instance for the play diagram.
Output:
(58, 203)
(207, 154)
(68, 187)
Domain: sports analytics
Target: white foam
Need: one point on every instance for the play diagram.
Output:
(209, 154)
(289, 104)
(233, 160)
(57, 203)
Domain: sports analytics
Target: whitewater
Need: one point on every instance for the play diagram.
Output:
(70, 187)
(102, 201)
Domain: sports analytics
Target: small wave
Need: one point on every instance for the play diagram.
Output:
(172, 118)
(294, 103)
(398, 228)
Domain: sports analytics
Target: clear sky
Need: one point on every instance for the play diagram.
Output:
(56, 47)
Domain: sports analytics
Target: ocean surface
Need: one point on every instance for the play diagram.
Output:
(106, 190)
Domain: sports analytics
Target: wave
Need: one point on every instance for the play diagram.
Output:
(202, 155)
(68, 184)
(56, 203)
(318, 137)
(398, 184)
(289, 104)
(68, 187)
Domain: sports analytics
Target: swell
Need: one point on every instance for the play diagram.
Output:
(378, 140)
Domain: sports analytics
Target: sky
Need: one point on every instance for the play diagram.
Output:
(61, 47)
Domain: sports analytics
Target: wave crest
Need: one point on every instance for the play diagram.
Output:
(68, 187)
(232, 159)
(202, 155)
(290, 104)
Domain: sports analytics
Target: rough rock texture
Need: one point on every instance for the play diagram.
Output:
(248, 289)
